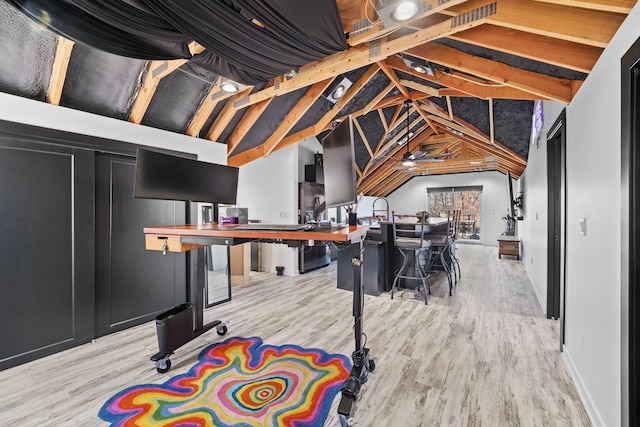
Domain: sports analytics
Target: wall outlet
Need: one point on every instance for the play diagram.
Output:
(581, 341)
(283, 214)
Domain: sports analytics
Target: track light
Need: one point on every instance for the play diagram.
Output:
(339, 90)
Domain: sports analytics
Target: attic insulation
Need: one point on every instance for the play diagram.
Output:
(27, 55)
(101, 83)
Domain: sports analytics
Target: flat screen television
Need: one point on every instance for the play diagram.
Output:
(338, 157)
(163, 176)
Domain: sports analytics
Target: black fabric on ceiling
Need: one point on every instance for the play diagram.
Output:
(290, 33)
(147, 37)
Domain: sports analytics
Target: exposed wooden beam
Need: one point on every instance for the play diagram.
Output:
(59, 71)
(157, 70)
(326, 120)
(617, 6)
(562, 53)
(225, 116)
(294, 115)
(465, 85)
(586, 26)
(377, 50)
(247, 122)
(213, 98)
(540, 85)
(376, 30)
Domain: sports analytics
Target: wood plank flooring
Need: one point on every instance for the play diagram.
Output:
(485, 356)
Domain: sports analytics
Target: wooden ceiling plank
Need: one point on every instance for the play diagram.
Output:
(585, 26)
(326, 120)
(157, 71)
(562, 53)
(359, 56)
(59, 70)
(225, 116)
(394, 78)
(465, 86)
(617, 6)
(363, 136)
(427, 90)
(538, 84)
(207, 106)
(296, 113)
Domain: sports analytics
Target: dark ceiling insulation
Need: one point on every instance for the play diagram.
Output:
(515, 61)
(178, 97)
(101, 83)
(25, 66)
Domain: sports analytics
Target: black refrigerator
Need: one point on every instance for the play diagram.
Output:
(311, 199)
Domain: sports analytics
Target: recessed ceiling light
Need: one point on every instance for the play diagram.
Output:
(230, 86)
(338, 92)
(419, 68)
(405, 10)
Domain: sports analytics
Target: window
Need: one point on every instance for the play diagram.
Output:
(442, 200)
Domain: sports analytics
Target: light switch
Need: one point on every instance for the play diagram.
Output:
(583, 226)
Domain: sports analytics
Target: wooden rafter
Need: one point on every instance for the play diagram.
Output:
(59, 71)
(361, 56)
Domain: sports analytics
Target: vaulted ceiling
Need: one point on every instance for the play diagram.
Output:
(469, 108)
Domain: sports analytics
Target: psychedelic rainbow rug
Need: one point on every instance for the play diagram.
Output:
(238, 382)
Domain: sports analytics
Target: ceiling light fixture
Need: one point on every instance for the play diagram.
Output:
(230, 86)
(392, 12)
(405, 10)
(291, 73)
(339, 91)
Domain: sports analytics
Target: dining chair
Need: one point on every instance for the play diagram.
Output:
(410, 239)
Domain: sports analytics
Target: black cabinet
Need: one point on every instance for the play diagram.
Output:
(73, 265)
(372, 268)
(133, 285)
(46, 256)
(311, 198)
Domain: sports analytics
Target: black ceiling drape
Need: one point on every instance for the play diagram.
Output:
(136, 33)
(249, 41)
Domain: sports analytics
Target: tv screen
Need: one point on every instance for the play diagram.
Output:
(338, 157)
(163, 176)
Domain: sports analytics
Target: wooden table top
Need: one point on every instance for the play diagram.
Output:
(348, 234)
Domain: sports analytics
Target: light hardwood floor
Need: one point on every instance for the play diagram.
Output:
(485, 356)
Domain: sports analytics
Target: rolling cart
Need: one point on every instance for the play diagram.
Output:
(183, 323)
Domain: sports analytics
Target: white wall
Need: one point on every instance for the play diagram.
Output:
(533, 228)
(269, 189)
(593, 333)
(36, 113)
(412, 198)
(592, 348)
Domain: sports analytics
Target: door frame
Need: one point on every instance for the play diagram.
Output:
(557, 135)
(630, 235)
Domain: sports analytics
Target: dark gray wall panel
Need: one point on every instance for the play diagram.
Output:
(133, 285)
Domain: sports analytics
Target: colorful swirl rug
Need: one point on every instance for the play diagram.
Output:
(238, 382)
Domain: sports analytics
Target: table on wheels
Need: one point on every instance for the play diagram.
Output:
(194, 238)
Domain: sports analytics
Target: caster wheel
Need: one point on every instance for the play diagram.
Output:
(346, 422)
(163, 366)
(371, 364)
(221, 330)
